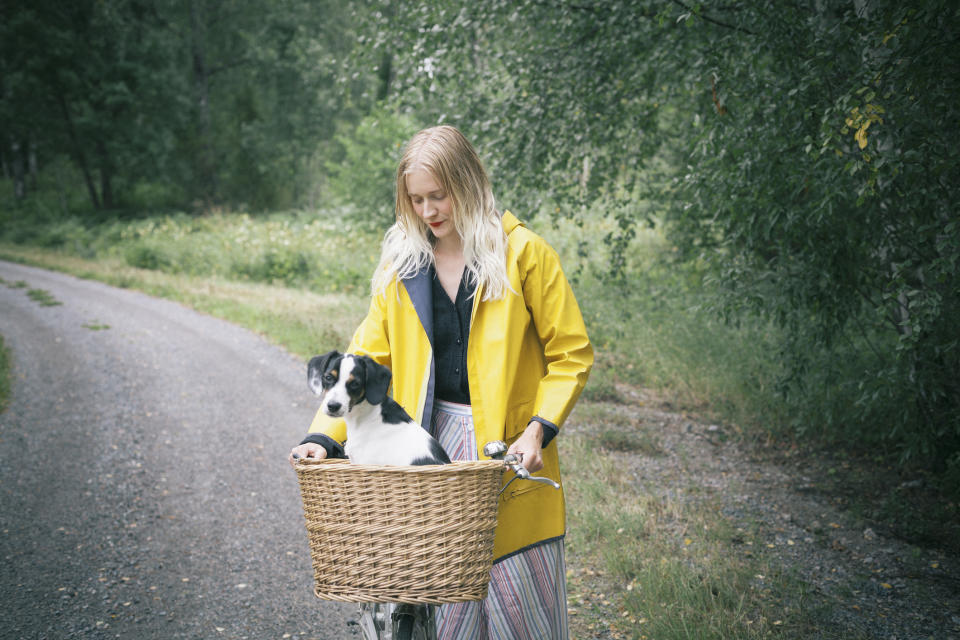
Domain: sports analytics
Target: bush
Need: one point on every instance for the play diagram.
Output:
(363, 172)
(275, 265)
(143, 255)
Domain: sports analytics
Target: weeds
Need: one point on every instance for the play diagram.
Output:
(643, 563)
(43, 297)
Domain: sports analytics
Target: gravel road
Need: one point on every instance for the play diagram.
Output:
(144, 490)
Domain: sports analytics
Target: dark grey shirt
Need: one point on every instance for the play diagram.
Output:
(451, 331)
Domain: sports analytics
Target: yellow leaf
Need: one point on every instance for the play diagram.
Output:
(861, 136)
(886, 585)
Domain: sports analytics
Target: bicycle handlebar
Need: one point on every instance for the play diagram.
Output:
(498, 451)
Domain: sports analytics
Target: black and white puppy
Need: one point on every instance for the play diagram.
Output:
(379, 431)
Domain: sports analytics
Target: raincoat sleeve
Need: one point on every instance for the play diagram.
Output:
(563, 335)
(369, 339)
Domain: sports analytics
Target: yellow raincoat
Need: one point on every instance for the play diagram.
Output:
(528, 355)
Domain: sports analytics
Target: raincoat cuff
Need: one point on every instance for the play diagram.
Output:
(334, 448)
(550, 430)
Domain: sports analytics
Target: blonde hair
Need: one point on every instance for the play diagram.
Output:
(408, 245)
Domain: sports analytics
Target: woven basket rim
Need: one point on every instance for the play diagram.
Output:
(339, 464)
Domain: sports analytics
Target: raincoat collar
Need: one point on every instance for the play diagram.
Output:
(418, 288)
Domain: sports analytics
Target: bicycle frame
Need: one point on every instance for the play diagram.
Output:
(389, 621)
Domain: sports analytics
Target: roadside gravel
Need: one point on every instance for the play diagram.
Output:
(144, 491)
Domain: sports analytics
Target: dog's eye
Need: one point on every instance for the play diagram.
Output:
(328, 379)
(353, 385)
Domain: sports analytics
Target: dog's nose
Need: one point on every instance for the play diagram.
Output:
(333, 407)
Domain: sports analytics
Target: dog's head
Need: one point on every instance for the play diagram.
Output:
(344, 380)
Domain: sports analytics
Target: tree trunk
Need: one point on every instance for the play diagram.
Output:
(206, 166)
(33, 170)
(385, 69)
(106, 175)
(77, 153)
(385, 73)
(16, 160)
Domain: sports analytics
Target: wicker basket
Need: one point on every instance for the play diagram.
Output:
(418, 535)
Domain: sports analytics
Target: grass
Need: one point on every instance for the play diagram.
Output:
(646, 561)
(301, 321)
(43, 297)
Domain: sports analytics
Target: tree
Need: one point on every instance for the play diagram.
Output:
(812, 144)
(85, 79)
(829, 202)
(213, 101)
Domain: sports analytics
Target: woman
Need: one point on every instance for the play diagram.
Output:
(472, 313)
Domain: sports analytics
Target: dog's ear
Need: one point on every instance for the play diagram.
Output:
(317, 367)
(378, 380)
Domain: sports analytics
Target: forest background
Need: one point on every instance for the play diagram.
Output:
(755, 201)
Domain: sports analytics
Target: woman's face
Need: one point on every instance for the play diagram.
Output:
(431, 203)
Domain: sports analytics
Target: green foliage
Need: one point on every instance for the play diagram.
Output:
(829, 206)
(362, 175)
(567, 102)
(294, 249)
(86, 80)
(146, 255)
(173, 103)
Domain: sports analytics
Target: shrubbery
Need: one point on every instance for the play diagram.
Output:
(296, 249)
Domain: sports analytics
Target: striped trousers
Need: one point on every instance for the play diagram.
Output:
(527, 596)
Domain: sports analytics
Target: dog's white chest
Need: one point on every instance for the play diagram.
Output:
(371, 442)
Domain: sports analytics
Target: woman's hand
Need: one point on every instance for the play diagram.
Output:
(308, 450)
(528, 446)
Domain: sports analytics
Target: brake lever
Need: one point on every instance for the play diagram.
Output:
(522, 473)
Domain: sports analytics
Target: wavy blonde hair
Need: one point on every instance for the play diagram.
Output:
(408, 244)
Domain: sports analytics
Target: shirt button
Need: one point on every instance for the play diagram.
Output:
(459, 341)
(456, 370)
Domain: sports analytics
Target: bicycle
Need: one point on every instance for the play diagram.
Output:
(388, 621)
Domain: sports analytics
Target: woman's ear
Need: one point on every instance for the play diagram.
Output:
(378, 380)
